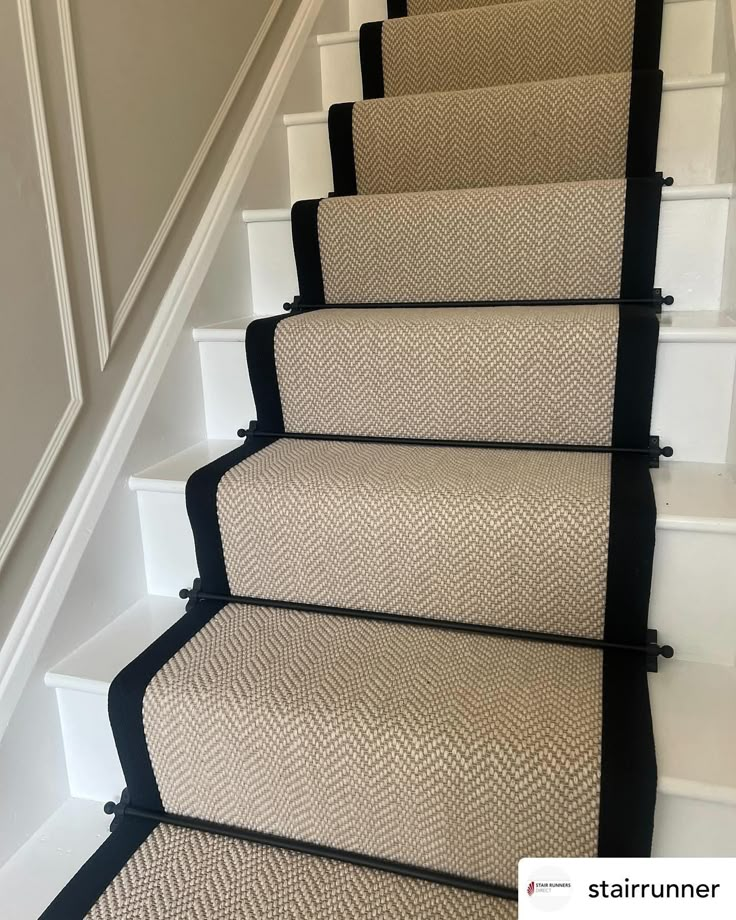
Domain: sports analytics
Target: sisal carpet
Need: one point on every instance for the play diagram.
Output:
(404, 670)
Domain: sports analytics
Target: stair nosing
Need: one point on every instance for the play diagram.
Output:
(693, 523)
(672, 785)
(349, 37)
(671, 84)
(713, 191)
(703, 335)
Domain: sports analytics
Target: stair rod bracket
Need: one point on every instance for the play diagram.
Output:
(656, 451)
(117, 809)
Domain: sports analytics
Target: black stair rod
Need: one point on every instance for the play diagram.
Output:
(651, 649)
(653, 450)
(656, 301)
(124, 809)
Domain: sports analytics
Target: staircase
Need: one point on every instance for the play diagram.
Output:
(694, 582)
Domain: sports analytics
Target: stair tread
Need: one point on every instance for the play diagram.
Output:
(502, 43)
(357, 703)
(171, 474)
(357, 13)
(179, 872)
(94, 665)
(707, 326)
(671, 84)
(691, 701)
(33, 876)
(350, 37)
(669, 193)
(701, 495)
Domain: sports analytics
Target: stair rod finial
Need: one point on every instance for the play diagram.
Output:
(655, 651)
(117, 809)
(250, 430)
(191, 595)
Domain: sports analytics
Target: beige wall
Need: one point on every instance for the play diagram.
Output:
(725, 60)
(116, 117)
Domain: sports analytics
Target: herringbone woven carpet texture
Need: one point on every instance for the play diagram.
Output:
(511, 160)
(421, 7)
(477, 244)
(179, 874)
(501, 374)
(510, 43)
(504, 135)
(505, 537)
(449, 751)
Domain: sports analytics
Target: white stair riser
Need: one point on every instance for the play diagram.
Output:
(691, 827)
(272, 266)
(361, 11)
(693, 395)
(683, 827)
(687, 50)
(310, 167)
(694, 594)
(689, 156)
(223, 369)
(692, 238)
(92, 763)
(694, 577)
(691, 250)
(690, 376)
(168, 547)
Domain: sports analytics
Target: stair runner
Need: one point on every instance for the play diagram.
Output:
(416, 653)
(507, 43)
(528, 133)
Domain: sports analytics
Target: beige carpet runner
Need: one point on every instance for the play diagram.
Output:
(496, 244)
(505, 374)
(507, 43)
(522, 134)
(187, 874)
(422, 7)
(417, 650)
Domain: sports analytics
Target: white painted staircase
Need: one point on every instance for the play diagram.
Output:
(694, 589)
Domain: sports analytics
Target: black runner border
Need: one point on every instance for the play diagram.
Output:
(636, 359)
(397, 8)
(628, 761)
(342, 148)
(371, 60)
(305, 238)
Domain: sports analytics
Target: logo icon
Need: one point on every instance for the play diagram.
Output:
(548, 889)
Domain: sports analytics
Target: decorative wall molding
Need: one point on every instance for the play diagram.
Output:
(56, 246)
(71, 79)
(106, 336)
(33, 623)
